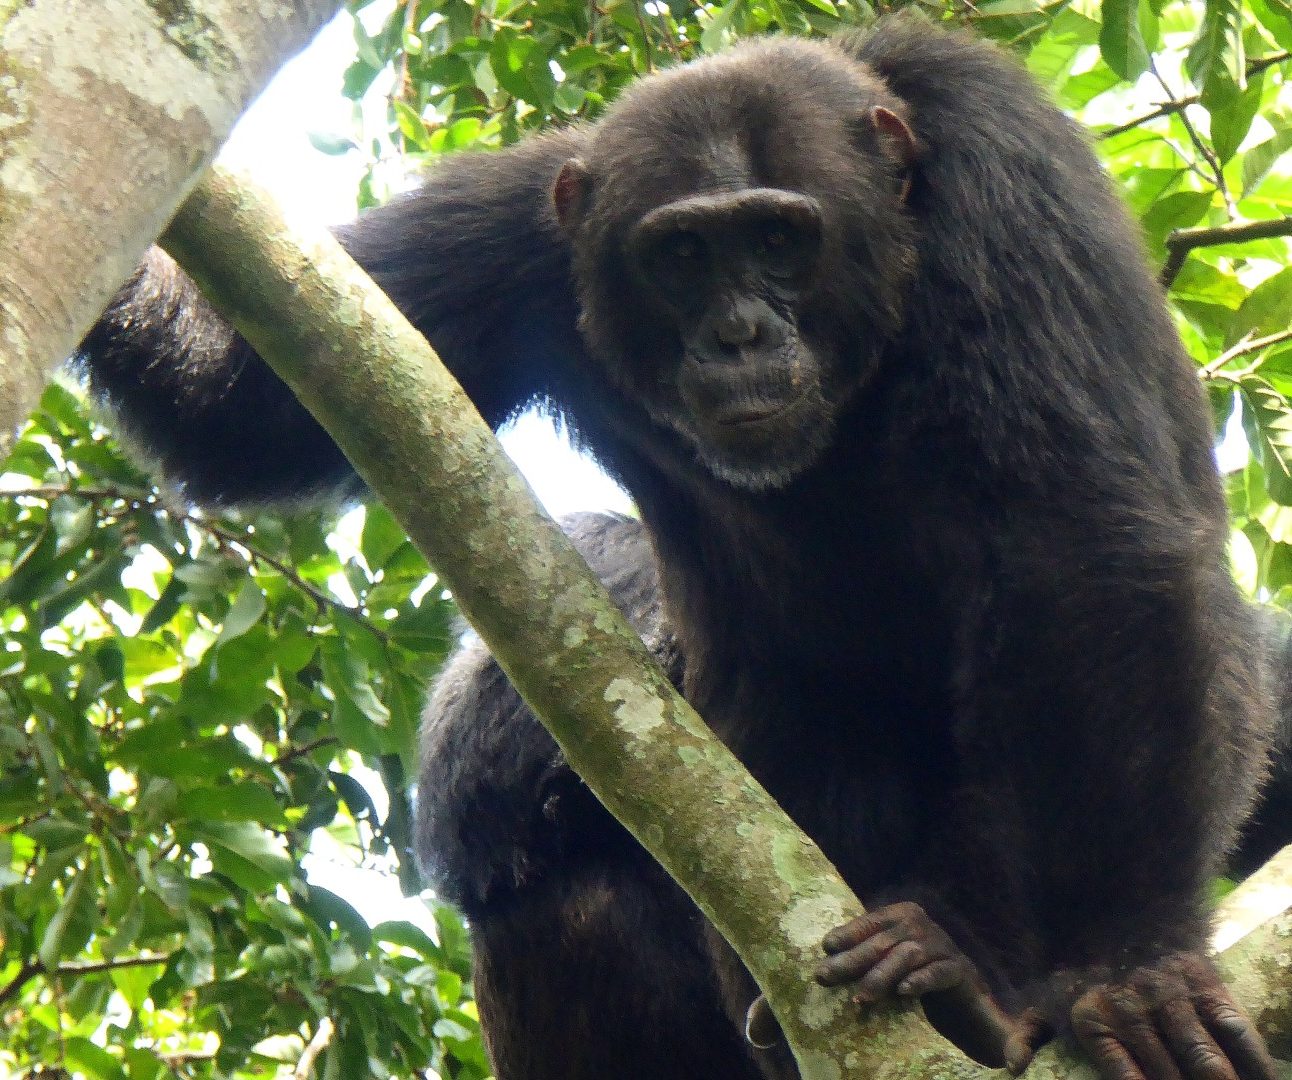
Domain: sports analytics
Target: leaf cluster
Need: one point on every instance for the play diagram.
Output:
(197, 714)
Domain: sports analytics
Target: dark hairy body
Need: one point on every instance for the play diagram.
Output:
(927, 481)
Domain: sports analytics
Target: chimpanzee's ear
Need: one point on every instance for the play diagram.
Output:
(570, 192)
(897, 142)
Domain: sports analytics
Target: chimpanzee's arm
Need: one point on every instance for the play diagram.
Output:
(1120, 711)
(474, 258)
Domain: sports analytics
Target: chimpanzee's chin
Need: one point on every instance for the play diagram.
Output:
(769, 455)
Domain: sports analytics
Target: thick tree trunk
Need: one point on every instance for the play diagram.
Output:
(109, 112)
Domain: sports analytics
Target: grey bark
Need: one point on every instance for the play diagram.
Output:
(110, 110)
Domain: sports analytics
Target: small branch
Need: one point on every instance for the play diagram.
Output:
(253, 555)
(646, 45)
(29, 969)
(143, 960)
(1254, 67)
(1248, 345)
(1165, 109)
(322, 1036)
(23, 823)
(1204, 151)
(410, 28)
(308, 748)
(1265, 895)
(1182, 241)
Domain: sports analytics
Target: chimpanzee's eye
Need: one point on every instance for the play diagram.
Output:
(683, 246)
(776, 236)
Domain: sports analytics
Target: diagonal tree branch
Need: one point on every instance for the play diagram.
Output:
(1254, 67)
(1183, 241)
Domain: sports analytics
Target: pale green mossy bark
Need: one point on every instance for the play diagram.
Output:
(109, 112)
(1258, 965)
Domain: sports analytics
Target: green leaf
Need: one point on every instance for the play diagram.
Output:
(91, 1060)
(1052, 59)
(332, 143)
(133, 983)
(242, 800)
(1176, 211)
(253, 858)
(125, 929)
(521, 68)
(54, 833)
(1231, 120)
(1080, 90)
(1261, 158)
(1276, 17)
(1267, 309)
(164, 609)
(382, 537)
(1202, 282)
(717, 29)
(247, 609)
(1267, 419)
(327, 909)
(1243, 563)
(71, 925)
(1215, 60)
(407, 935)
(570, 97)
(1120, 41)
(411, 125)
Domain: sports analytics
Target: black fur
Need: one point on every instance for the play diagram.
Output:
(511, 836)
(957, 595)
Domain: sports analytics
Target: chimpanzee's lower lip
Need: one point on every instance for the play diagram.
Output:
(753, 415)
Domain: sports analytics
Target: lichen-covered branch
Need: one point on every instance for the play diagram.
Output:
(109, 112)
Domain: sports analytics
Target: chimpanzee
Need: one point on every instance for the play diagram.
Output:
(510, 836)
(928, 482)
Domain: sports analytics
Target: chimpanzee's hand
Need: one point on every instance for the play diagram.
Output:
(1167, 1020)
(898, 950)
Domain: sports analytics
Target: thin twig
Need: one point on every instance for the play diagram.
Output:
(254, 555)
(646, 45)
(31, 968)
(322, 1036)
(1206, 152)
(22, 823)
(94, 967)
(1182, 241)
(1254, 67)
(405, 77)
(1245, 347)
(308, 748)
(26, 972)
(1165, 109)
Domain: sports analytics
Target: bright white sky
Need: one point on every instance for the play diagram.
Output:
(271, 144)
